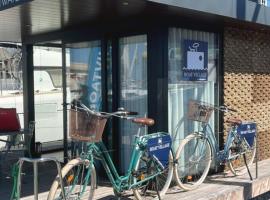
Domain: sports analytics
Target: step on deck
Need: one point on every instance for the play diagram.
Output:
(217, 187)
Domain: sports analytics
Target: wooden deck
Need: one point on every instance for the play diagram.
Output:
(219, 187)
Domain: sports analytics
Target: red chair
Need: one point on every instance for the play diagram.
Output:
(9, 120)
(10, 127)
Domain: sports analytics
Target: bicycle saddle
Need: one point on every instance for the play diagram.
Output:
(234, 121)
(144, 121)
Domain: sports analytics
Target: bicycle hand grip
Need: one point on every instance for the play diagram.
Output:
(232, 110)
(132, 113)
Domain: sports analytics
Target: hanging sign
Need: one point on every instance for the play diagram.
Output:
(195, 66)
(5, 4)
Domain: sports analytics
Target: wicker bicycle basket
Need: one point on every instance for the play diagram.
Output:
(199, 111)
(85, 126)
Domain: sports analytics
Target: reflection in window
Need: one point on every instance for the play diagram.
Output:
(133, 89)
(11, 82)
(85, 73)
(180, 92)
(48, 93)
(11, 85)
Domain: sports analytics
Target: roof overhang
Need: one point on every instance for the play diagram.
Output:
(39, 17)
(245, 10)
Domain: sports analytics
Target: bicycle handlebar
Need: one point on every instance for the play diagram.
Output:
(121, 112)
(225, 108)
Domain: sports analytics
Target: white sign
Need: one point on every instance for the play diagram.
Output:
(195, 60)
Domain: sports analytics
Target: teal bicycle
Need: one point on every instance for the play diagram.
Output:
(150, 169)
(196, 152)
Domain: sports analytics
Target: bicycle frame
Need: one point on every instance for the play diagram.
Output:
(119, 183)
(221, 155)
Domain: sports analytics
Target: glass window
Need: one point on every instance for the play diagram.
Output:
(133, 89)
(11, 82)
(85, 73)
(181, 90)
(48, 94)
(84, 78)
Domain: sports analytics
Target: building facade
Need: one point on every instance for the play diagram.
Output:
(152, 57)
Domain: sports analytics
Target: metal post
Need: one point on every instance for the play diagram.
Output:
(19, 179)
(64, 86)
(35, 181)
(256, 158)
(35, 162)
(28, 90)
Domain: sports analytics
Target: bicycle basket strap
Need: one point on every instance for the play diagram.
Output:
(160, 148)
(247, 130)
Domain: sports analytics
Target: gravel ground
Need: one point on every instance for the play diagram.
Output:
(265, 196)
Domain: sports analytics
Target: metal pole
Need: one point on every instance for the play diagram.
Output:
(256, 157)
(35, 181)
(64, 86)
(19, 179)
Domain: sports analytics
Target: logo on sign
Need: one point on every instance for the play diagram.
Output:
(195, 60)
(159, 140)
(159, 147)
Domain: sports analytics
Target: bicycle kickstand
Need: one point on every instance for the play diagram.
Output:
(159, 198)
(245, 160)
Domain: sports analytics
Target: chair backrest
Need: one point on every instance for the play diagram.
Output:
(9, 120)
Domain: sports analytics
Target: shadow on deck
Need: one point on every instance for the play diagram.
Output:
(219, 187)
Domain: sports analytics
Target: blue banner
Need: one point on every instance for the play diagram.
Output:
(195, 66)
(5, 4)
(94, 78)
(87, 84)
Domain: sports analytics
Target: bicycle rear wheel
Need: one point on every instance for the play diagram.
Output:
(194, 158)
(237, 164)
(79, 179)
(156, 187)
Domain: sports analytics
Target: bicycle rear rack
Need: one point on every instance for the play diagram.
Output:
(35, 162)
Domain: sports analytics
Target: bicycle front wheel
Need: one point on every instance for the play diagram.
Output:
(193, 158)
(237, 164)
(79, 181)
(156, 187)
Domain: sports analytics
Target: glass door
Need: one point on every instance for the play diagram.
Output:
(48, 93)
(193, 64)
(182, 89)
(133, 89)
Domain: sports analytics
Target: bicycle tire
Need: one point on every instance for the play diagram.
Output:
(68, 170)
(187, 176)
(237, 166)
(147, 190)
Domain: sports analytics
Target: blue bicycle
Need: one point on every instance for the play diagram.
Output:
(198, 149)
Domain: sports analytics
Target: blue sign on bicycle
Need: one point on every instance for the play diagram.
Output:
(159, 148)
(248, 131)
